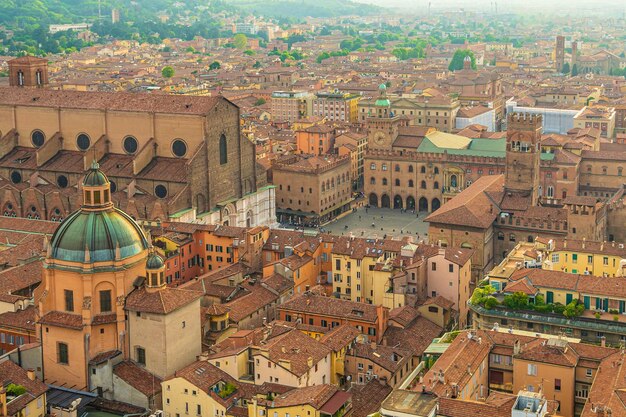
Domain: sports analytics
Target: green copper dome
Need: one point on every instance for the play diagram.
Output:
(95, 177)
(383, 102)
(95, 236)
(383, 86)
(154, 262)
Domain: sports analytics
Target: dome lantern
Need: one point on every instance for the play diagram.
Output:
(96, 189)
(155, 271)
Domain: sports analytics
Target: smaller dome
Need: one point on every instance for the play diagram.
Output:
(154, 262)
(383, 86)
(95, 177)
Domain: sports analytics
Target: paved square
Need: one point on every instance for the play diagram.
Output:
(378, 222)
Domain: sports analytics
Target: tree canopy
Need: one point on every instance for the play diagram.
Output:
(459, 58)
(167, 72)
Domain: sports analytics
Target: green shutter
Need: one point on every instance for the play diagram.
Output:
(587, 302)
(549, 297)
(569, 298)
(622, 306)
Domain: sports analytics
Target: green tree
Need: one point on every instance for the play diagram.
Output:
(167, 72)
(574, 70)
(458, 59)
(566, 68)
(215, 65)
(481, 294)
(257, 64)
(260, 102)
(240, 41)
(248, 52)
(574, 309)
(516, 301)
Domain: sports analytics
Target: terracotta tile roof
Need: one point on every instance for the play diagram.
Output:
(608, 389)
(12, 373)
(439, 301)
(331, 307)
(415, 338)
(340, 337)
(316, 396)
(257, 298)
(118, 101)
(523, 285)
(403, 315)
(278, 283)
(21, 319)
(104, 356)
(21, 277)
(387, 357)
(205, 376)
(552, 351)
(359, 248)
(138, 377)
(366, 399)
(547, 279)
(463, 355)
(296, 348)
(498, 404)
(162, 301)
(472, 207)
(104, 318)
(459, 256)
(28, 225)
(62, 319)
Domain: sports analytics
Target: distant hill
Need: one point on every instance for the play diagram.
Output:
(72, 11)
(304, 8)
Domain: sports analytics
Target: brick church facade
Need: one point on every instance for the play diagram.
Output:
(168, 157)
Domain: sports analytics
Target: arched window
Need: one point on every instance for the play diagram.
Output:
(223, 150)
(436, 185)
(384, 181)
(604, 170)
(423, 185)
(512, 237)
(619, 171)
(550, 192)
(436, 170)
(410, 168)
(397, 168)
(372, 180)
(397, 182)
(423, 169)
(38, 76)
(453, 181)
(410, 183)
(500, 236)
(20, 78)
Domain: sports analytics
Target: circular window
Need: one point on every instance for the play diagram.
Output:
(10, 206)
(83, 142)
(113, 186)
(33, 209)
(130, 144)
(160, 191)
(62, 181)
(179, 148)
(38, 138)
(16, 177)
(57, 211)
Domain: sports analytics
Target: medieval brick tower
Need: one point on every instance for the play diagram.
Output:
(523, 155)
(560, 53)
(28, 71)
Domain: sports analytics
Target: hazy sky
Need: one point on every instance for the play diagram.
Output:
(557, 6)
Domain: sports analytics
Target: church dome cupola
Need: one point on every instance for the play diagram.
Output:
(155, 271)
(96, 189)
(97, 233)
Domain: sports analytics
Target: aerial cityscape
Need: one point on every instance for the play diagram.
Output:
(331, 208)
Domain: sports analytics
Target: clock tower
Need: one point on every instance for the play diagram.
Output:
(523, 155)
(382, 123)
